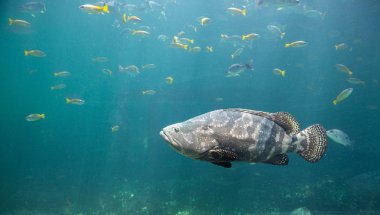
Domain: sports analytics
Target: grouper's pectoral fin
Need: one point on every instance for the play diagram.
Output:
(223, 164)
(281, 160)
(221, 155)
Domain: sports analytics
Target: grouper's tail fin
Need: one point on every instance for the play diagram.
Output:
(311, 143)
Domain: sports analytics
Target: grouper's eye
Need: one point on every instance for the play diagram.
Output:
(206, 127)
(176, 130)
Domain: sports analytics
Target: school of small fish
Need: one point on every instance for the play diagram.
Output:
(131, 21)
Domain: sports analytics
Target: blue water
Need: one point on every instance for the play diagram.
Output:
(71, 162)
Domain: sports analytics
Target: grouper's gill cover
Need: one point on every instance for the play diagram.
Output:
(227, 135)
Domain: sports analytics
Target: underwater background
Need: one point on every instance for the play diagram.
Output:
(72, 162)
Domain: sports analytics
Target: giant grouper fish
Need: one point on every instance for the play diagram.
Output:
(227, 135)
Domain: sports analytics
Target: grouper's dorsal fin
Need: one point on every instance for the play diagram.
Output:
(283, 119)
(287, 122)
(281, 160)
(253, 112)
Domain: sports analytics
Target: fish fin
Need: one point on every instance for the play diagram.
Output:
(124, 18)
(311, 143)
(253, 112)
(120, 68)
(223, 164)
(283, 72)
(42, 116)
(203, 22)
(263, 114)
(10, 21)
(244, 12)
(68, 101)
(26, 53)
(219, 154)
(335, 102)
(323, 16)
(287, 122)
(105, 8)
(280, 159)
(282, 35)
(287, 45)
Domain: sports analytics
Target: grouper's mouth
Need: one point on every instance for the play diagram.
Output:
(176, 145)
(170, 140)
(163, 135)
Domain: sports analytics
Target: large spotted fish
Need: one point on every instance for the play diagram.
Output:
(227, 135)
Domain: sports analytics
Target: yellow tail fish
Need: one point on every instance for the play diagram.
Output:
(94, 9)
(343, 95)
(279, 72)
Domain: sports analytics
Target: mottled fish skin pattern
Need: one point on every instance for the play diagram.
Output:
(252, 138)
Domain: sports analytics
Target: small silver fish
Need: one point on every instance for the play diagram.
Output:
(355, 81)
(99, 59)
(58, 87)
(339, 136)
(33, 8)
(94, 9)
(343, 95)
(344, 69)
(315, 14)
(236, 69)
(341, 47)
(237, 52)
(275, 30)
(34, 117)
(115, 128)
(131, 69)
(19, 23)
(235, 40)
(154, 5)
(148, 92)
(296, 44)
(148, 66)
(162, 38)
(75, 101)
(34, 53)
(62, 74)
